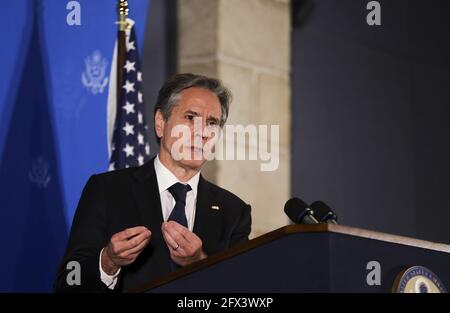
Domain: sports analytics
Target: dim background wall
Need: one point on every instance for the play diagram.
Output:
(370, 114)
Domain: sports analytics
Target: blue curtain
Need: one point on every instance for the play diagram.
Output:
(53, 94)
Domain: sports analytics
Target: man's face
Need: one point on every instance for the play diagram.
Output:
(179, 138)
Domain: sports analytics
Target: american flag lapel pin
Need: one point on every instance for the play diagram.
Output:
(215, 207)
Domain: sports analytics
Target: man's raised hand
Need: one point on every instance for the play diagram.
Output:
(123, 248)
(185, 247)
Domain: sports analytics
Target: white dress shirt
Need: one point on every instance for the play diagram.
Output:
(165, 179)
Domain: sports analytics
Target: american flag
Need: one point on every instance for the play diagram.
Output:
(130, 146)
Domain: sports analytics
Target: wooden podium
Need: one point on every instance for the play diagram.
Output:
(307, 258)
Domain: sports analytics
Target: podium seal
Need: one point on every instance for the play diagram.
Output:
(418, 279)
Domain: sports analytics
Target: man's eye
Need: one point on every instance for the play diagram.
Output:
(189, 117)
(212, 123)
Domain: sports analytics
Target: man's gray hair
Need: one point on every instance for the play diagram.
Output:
(170, 93)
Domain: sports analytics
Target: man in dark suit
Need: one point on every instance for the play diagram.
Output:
(136, 224)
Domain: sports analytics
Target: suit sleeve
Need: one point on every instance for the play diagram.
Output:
(87, 237)
(243, 228)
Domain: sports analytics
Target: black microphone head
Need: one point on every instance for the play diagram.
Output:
(323, 212)
(298, 211)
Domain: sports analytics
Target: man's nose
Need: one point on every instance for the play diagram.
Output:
(200, 128)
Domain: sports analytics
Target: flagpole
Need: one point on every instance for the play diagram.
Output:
(121, 44)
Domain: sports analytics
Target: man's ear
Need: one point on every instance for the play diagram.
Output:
(159, 124)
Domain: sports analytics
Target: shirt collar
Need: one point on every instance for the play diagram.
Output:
(166, 178)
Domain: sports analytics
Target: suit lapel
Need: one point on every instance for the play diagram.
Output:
(146, 194)
(147, 197)
(207, 220)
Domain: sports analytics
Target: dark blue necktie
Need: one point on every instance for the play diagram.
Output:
(179, 192)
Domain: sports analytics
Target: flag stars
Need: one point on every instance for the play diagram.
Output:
(129, 136)
(140, 159)
(129, 87)
(130, 46)
(129, 150)
(129, 108)
(140, 139)
(129, 66)
(128, 129)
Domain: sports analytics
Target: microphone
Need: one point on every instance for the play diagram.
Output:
(299, 212)
(323, 213)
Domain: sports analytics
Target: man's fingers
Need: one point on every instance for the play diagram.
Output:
(186, 234)
(130, 232)
(179, 236)
(177, 231)
(177, 248)
(190, 236)
(188, 245)
(137, 249)
(169, 240)
(120, 246)
(136, 241)
(178, 227)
